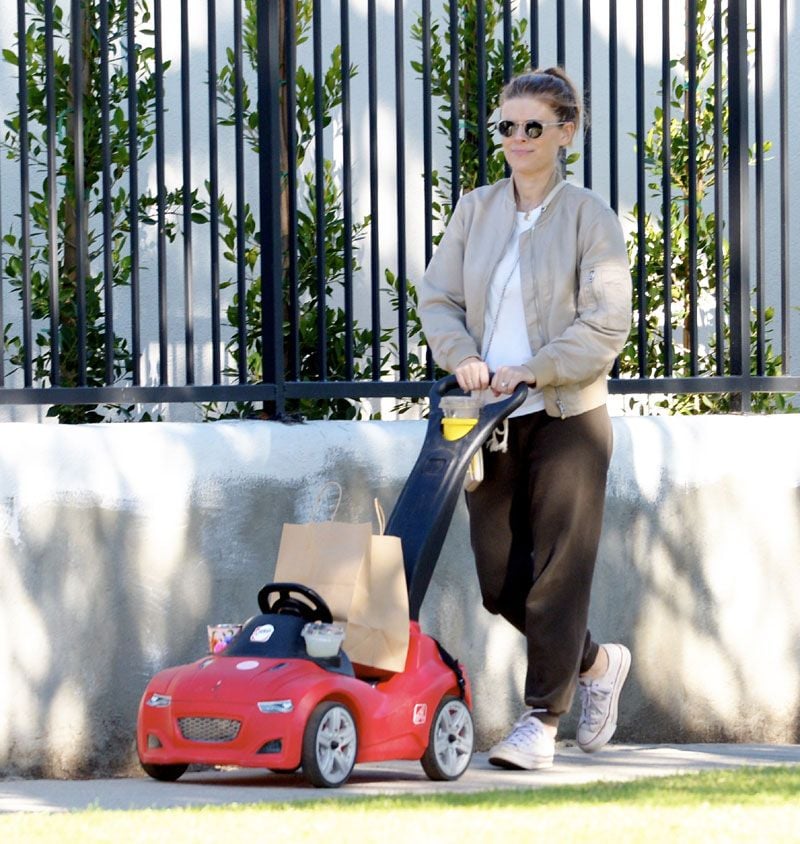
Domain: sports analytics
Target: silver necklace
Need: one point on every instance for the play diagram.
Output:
(500, 304)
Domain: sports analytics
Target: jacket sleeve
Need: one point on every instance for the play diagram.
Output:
(588, 347)
(442, 306)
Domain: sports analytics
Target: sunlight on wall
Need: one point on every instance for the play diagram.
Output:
(67, 728)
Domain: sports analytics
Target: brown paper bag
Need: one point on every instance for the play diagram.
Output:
(362, 579)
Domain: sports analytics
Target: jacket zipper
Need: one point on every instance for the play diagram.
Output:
(545, 335)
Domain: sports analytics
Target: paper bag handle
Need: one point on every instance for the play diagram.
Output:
(381, 517)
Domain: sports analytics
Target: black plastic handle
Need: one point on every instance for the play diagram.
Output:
(424, 509)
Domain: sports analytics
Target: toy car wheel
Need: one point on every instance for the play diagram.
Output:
(452, 738)
(330, 745)
(164, 773)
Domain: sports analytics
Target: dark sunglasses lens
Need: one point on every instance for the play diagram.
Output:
(533, 128)
(506, 128)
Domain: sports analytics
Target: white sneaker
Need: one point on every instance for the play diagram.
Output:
(529, 746)
(600, 699)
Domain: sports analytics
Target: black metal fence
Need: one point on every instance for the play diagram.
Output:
(256, 232)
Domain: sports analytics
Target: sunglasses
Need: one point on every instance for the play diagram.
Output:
(533, 128)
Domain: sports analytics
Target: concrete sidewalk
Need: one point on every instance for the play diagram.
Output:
(614, 763)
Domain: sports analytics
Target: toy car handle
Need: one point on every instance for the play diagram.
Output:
(449, 384)
(424, 508)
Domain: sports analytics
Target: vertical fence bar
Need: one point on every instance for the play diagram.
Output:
(52, 211)
(507, 41)
(427, 150)
(269, 133)
(400, 165)
(587, 93)
(319, 195)
(613, 105)
(719, 204)
(480, 46)
(105, 141)
(133, 186)
(641, 192)
(427, 128)
(372, 61)
(186, 138)
(161, 221)
(666, 181)
(783, 105)
(289, 205)
(613, 117)
(241, 204)
(455, 109)
(758, 118)
(739, 199)
(213, 196)
(77, 23)
(24, 187)
(691, 108)
(534, 19)
(347, 190)
(2, 291)
(374, 232)
(561, 33)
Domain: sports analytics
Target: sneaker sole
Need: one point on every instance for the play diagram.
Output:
(512, 761)
(609, 728)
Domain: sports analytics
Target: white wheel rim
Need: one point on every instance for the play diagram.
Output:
(336, 744)
(453, 738)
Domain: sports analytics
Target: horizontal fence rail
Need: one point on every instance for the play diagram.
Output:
(231, 202)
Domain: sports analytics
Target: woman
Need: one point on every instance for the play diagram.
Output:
(530, 283)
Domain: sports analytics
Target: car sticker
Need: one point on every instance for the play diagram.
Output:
(247, 665)
(262, 633)
(420, 713)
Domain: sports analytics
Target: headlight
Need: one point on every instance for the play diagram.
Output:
(275, 706)
(158, 701)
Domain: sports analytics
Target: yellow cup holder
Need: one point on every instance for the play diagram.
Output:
(454, 428)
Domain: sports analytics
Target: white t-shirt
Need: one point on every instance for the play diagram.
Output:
(505, 332)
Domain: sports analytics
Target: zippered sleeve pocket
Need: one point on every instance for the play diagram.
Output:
(604, 298)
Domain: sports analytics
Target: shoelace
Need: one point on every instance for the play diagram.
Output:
(593, 699)
(528, 727)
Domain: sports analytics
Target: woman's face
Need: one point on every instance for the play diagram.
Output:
(533, 156)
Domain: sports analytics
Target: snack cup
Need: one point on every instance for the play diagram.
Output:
(455, 428)
(219, 635)
(322, 640)
(460, 407)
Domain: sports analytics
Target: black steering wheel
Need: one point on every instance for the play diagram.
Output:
(294, 599)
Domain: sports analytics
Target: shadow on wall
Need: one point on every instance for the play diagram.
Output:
(98, 595)
(104, 585)
(697, 574)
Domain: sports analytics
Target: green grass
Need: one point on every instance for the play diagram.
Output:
(750, 804)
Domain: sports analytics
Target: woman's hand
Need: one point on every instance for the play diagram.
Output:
(472, 374)
(507, 378)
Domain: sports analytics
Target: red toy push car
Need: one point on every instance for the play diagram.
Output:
(265, 702)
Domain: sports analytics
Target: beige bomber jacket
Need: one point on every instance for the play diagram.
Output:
(576, 289)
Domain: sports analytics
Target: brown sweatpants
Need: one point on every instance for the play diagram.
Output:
(535, 524)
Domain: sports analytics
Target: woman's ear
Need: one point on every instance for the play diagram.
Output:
(567, 133)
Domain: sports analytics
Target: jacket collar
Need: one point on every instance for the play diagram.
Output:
(553, 187)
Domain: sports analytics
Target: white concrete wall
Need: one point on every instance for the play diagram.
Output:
(118, 543)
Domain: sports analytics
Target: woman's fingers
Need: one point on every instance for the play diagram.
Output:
(472, 374)
(508, 378)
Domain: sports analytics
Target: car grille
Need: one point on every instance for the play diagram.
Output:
(209, 729)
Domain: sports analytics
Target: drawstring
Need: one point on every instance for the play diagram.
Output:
(499, 439)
